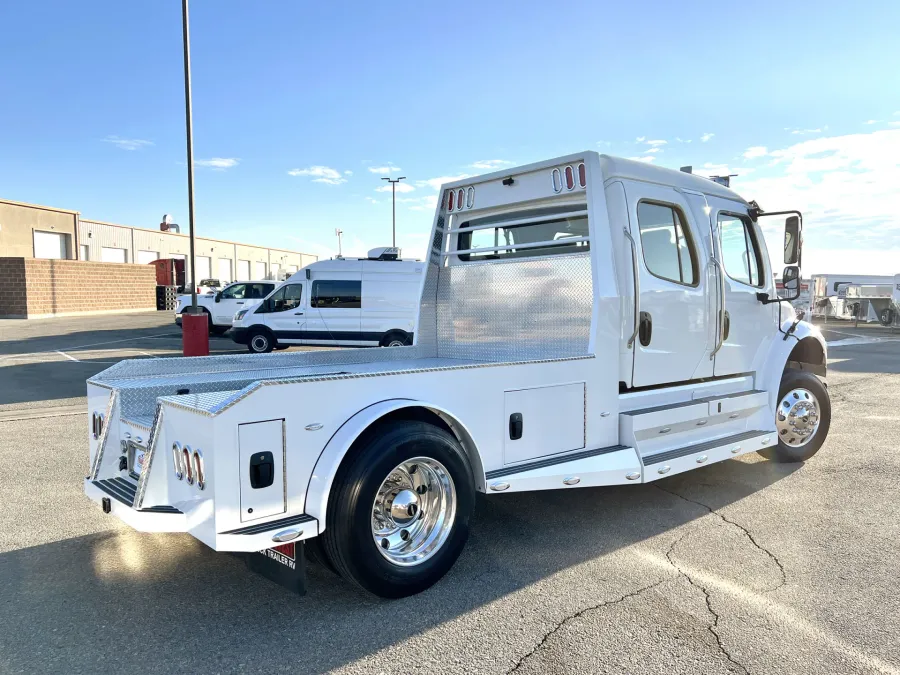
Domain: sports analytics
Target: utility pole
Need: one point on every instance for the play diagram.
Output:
(195, 326)
(339, 232)
(393, 183)
(190, 146)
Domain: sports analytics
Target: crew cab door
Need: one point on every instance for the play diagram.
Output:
(227, 303)
(748, 326)
(674, 331)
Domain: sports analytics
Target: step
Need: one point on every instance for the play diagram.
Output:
(681, 424)
(613, 465)
(678, 460)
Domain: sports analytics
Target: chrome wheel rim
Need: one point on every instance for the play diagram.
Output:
(414, 511)
(395, 343)
(259, 343)
(797, 418)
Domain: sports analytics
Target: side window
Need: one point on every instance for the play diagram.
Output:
(669, 252)
(258, 291)
(337, 294)
(740, 251)
(286, 298)
(235, 292)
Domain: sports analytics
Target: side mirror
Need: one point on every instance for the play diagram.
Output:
(792, 241)
(218, 296)
(790, 281)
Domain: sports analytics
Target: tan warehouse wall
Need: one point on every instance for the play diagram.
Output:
(35, 288)
(18, 222)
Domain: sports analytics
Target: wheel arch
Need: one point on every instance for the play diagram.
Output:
(340, 446)
(805, 349)
(808, 354)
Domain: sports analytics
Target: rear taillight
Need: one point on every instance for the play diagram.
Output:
(198, 469)
(582, 175)
(460, 195)
(188, 466)
(178, 460)
(570, 178)
(470, 197)
(450, 200)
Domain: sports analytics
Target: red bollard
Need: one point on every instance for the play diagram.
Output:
(195, 329)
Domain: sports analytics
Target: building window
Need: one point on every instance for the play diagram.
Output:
(669, 252)
(740, 250)
(337, 294)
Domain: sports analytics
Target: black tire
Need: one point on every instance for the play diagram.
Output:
(348, 539)
(396, 338)
(261, 341)
(887, 316)
(794, 379)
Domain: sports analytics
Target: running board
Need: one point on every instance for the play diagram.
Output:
(679, 460)
(613, 465)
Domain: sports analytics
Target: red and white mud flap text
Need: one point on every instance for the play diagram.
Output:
(284, 564)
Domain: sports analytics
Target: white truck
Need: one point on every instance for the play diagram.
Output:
(220, 305)
(346, 302)
(584, 321)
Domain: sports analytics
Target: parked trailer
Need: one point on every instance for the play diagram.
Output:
(584, 321)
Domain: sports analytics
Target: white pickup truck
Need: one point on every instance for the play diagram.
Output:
(584, 321)
(220, 305)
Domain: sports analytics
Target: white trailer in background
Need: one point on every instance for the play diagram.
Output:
(584, 321)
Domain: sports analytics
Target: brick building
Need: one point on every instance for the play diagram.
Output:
(53, 262)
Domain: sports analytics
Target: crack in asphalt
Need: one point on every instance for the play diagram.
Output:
(743, 529)
(712, 627)
(581, 612)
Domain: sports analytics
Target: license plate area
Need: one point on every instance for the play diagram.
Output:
(136, 456)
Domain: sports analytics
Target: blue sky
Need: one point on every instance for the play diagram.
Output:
(297, 105)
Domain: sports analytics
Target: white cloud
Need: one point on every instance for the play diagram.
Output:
(435, 183)
(871, 122)
(640, 139)
(657, 143)
(804, 132)
(401, 187)
(895, 124)
(320, 174)
(706, 137)
(490, 164)
(846, 188)
(647, 158)
(384, 170)
(348, 172)
(653, 150)
(218, 163)
(714, 169)
(127, 143)
(681, 140)
(427, 203)
(755, 151)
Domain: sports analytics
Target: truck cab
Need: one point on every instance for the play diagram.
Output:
(582, 321)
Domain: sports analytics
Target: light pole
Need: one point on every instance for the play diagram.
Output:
(339, 232)
(393, 182)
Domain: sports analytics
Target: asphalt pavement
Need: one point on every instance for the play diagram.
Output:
(746, 566)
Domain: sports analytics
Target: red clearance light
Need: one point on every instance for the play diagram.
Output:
(570, 178)
(459, 199)
(449, 200)
(582, 175)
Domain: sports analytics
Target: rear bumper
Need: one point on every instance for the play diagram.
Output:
(200, 521)
(240, 335)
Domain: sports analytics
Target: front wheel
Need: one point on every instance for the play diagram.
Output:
(887, 316)
(398, 514)
(260, 342)
(802, 418)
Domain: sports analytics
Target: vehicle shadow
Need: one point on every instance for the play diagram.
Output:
(166, 603)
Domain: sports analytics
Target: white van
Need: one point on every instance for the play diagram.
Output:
(347, 302)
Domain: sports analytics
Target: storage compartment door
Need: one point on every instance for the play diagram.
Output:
(543, 421)
(261, 469)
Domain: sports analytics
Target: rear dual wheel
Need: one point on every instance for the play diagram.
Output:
(398, 514)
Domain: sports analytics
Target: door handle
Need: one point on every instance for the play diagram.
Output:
(298, 313)
(645, 332)
(515, 426)
(262, 470)
(240, 303)
(636, 276)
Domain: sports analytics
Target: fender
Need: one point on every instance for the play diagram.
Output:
(334, 451)
(780, 352)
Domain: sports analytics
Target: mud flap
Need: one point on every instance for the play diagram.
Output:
(285, 565)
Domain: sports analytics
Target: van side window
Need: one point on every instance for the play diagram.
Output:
(669, 252)
(285, 298)
(740, 250)
(337, 294)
